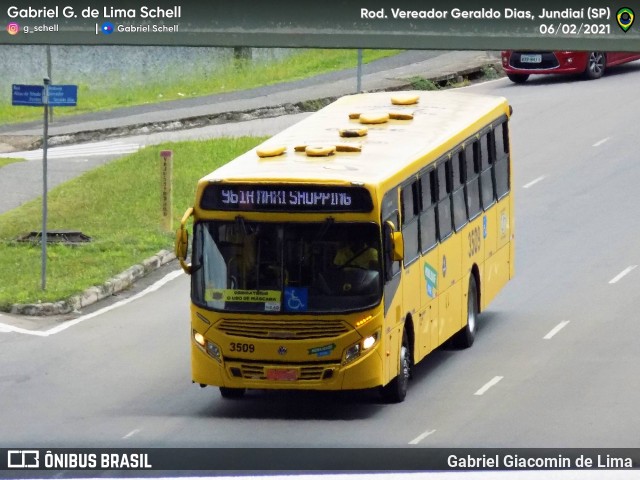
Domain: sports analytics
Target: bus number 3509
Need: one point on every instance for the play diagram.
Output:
(474, 241)
(241, 347)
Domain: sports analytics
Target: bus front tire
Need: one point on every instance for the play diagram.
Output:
(232, 393)
(396, 390)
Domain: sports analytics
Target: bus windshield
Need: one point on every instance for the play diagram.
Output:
(243, 266)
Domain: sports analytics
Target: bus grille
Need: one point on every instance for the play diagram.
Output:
(293, 330)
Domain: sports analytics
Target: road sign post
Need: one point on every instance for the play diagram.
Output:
(359, 72)
(45, 136)
(166, 188)
(47, 96)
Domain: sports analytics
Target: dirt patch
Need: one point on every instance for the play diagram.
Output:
(18, 143)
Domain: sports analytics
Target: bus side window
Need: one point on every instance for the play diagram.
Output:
(501, 135)
(472, 180)
(486, 172)
(457, 194)
(501, 165)
(410, 206)
(443, 208)
(428, 229)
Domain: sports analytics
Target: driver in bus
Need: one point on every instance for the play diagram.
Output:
(356, 254)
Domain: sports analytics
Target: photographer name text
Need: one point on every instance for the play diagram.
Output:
(141, 12)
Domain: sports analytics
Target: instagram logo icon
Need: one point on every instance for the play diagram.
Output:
(13, 28)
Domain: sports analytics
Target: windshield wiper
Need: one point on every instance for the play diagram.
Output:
(325, 227)
(240, 221)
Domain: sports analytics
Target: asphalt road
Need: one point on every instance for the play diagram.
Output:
(554, 363)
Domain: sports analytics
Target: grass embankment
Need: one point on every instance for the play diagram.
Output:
(118, 206)
(233, 76)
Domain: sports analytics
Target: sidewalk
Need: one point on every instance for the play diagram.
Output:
(394, 73)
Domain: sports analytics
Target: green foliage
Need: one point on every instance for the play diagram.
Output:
(421, 83)
(489, 73)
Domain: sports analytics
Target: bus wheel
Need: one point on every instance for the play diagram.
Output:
(227, 392)
(396, 390)
(466, 336)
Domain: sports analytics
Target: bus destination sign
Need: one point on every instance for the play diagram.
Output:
(285, 198)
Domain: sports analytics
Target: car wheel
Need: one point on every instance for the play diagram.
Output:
(465, 337)
(396, 390)
(227, 392)
(518, 77)
(595, 65)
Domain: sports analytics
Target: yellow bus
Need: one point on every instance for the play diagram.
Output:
(340, 252)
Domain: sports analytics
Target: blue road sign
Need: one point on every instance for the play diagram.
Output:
(63, 95)
(59, 95)
(27, 95)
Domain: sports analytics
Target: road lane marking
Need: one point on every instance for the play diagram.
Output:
(488, 385)
(4, 328)
(622, 274)
(597, 144)
(421, 437)
(556, 329)
(533, 182)
(131, 433)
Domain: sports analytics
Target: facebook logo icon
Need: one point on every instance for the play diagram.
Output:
(23, 459)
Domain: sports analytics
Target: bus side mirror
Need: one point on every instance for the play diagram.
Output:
(394, 243)
(398, 246)
(182, 242)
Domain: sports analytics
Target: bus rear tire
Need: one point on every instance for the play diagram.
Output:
(465, 337)
(232, 393)
(396, 390)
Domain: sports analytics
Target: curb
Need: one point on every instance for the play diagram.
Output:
(94, 294)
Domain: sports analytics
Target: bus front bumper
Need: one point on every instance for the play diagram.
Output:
(364, 372)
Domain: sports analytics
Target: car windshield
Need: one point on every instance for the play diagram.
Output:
(286, 267)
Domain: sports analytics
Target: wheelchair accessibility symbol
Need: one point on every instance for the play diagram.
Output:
(295, 299)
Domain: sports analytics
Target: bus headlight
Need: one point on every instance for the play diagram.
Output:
(357, 349)
(214, 351)
(199, 338)
(207, 346)
(352, 353)
(369, 342)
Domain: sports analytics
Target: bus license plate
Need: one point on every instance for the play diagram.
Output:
(531, 58)
(282, 374)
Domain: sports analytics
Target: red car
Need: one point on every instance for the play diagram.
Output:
(518, 65)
